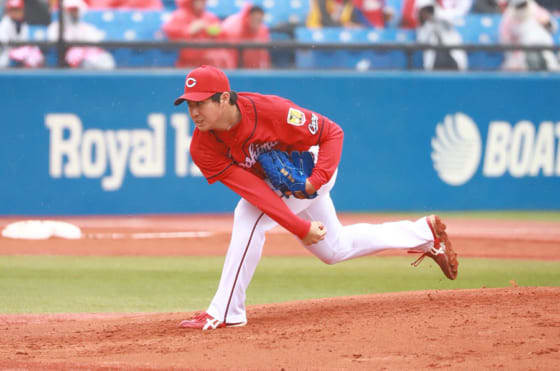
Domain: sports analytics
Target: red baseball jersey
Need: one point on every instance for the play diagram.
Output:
(268, 122)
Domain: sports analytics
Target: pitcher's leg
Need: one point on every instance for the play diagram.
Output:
(352, 241)
(365, 239)
(242, 258)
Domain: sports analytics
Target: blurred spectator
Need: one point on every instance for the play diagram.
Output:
(77, 30)
(332, 13)
(125, 4)
(552, 5)
(526, 23)
(438, 31)
(449, 10)
(37, 12)
(373, 13)
(408, 14)
(489, 6)
(192, 22)
(247, 25)
(14, 28)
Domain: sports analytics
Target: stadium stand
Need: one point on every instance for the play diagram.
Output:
(361, 60)
(482, 29)
(130, 25)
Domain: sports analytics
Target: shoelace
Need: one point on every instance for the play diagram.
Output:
(211, 323)
(419, 260)
(432, 250)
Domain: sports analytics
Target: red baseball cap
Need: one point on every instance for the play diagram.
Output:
(203, 82)
(14, 4)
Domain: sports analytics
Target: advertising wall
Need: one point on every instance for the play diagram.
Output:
(113, 143)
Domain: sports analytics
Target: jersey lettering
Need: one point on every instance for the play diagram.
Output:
(314, 124)
(254, 151)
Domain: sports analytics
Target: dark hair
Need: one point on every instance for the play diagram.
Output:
(232, 97)
(425, 13)
(256, 8)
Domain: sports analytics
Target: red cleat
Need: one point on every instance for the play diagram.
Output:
(204, 321)
(442, 252)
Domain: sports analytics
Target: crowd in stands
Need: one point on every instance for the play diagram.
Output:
(75, 29)
(191, 21)
(523, 22)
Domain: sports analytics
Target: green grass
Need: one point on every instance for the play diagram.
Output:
(538, 215)
(51, 284)
(508, 215)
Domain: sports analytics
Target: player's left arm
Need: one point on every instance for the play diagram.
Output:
(330, 151)
(306, 128)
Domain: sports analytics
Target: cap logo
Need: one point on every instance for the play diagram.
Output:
(190, 82)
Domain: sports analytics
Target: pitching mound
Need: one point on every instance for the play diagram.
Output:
(513, 328)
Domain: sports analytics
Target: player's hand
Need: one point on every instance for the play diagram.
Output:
(316, 233)
(309, 189)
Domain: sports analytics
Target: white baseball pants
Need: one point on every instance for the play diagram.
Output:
(340, 243)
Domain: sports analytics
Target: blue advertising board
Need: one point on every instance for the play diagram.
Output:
(77, 143)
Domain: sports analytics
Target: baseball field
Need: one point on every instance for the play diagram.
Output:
(114, 299)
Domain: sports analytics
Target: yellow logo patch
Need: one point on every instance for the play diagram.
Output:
(296, 117)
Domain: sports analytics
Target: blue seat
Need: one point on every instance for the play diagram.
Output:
(283, 11)
(134, 25)
(223, 8)
(482, 29)
(326, 59)
(358, 59)
(37, 32)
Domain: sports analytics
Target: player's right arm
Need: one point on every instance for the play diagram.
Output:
(259, 194)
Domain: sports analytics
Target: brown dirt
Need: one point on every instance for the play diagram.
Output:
(471, 238)
(509, 328)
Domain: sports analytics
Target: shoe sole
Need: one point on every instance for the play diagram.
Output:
(451, 261)
(201, 326)
(240, 324)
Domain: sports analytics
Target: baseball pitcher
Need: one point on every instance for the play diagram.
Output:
(259, 146)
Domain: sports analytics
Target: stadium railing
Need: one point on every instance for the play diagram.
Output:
(410, 50)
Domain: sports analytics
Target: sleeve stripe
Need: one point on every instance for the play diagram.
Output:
(321, 131)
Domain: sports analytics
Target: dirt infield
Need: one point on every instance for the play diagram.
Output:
(515, 328)
(142, 236)
(511, 328)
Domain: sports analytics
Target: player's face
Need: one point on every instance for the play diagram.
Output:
(205, 114)
(17, 14)
(255, 21)
(198, 6)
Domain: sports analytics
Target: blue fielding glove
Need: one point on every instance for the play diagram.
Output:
(288, 174)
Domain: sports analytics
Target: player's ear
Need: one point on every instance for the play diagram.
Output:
(224, 98)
